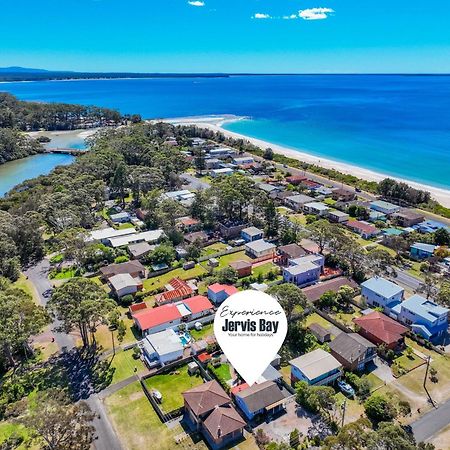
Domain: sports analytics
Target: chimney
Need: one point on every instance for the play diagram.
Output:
(219, 431)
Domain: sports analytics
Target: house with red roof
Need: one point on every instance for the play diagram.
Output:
(218, 293)
(364, 229)
(177, 289)
(171, 315)
(381, 330)
(189, 224)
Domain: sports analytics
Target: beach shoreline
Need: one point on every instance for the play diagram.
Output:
(215, 123)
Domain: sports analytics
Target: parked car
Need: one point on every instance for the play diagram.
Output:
(346, 388)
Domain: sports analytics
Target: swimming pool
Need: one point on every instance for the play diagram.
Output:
(185, 338)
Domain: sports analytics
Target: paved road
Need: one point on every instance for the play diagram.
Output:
(38, 275)
(407, 279)
(106, 436)
(431, 423)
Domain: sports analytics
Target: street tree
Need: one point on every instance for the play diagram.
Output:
(289, 296)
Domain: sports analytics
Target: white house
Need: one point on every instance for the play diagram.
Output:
(121, 217)
(338, 216)
(260, 248)
(239, 161)
(379, 292)
(163, 347)
(384, 207)
(124, 284)
(316, 208)
(220, 172)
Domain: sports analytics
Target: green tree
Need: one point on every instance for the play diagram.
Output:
(289, 296)
(82, 305)
(442, 237)
(443, 296)
(143, 180)
(163, 254)
(323, 233)
(227, 275)
(21, 319)
(119, 181)
(121, 331)
(379, 409)
(268, 154)
(52, 418)
(345, 295)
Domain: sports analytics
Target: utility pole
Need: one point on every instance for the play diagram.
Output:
(344, 406)
(425, 381)
(112, 338)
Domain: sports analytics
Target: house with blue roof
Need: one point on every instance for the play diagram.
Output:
(419, 250)
(424, 316)
(381, 293)
(429, 226)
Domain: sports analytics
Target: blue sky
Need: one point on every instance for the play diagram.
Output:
(227, 35)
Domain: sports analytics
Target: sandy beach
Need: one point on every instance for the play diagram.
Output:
(66, 134)
(216, 123)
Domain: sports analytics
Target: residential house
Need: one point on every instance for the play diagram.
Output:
(212, 163)
(215, 173)
(222, 152)
(243, 268)
(260, 249)
(297, 202)
(419, 250)
(140, 250)
(430, 226)
(171, 315)
(384, 207)
(364, 229)
(178, 196)
(177, 289)
(231, 230)
(133, 268)
(337, 216)
(218, 293)
(105, 234)
(295, 179)
(316, 208)
(305, 270)
(320, 333)
(352, 350)
(376, 216)
(124, 284)
(407, 218)
(188, 224)
(343, 195)
(196, 236)
(162, 348)
(381, 330)
(242, 160)
(423, 316)
(261, 400)
(381, 293)
(121, 217)
(313, 293)
(324, 191)
(289, 251)
(208, 409)
(316, 368)
(270, 189)
(151, 237)
(309, 246)
(251, 234)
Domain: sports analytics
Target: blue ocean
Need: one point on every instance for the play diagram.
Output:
(394, 124)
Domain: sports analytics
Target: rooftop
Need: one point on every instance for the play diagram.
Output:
(259, 245)
(424, 308)
(301, 268)
(261, 396)
(228, 288)
(316, 363)
(126, 267)
(300, 198)
(381, 326)
(313, 293)
(241, 264)
(163, 343)
(145, 236)
(319, 206)
(252, 231)
(106, 233)
(363, 226)
(292, 251)
(351, 346)
(383, 287)
(384, 205)
(223, 420)
(429, 248)
(206, 397)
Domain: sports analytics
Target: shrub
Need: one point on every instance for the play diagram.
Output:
(126, 300)
(121, 259)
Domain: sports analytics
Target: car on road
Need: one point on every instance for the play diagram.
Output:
(47, 293)
(346, 388)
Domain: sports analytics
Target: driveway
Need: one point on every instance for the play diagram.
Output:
(382, 370)
(279, 428)
(191, 182)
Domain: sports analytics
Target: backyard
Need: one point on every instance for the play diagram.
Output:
(222, 372)
(213, 248)
(158, 282)
(172, 385)
(124, 365)
(207, 330)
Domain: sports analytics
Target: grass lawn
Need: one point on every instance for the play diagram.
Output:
(298, 218)
(264, 269)
(329, 201)
(160, 281)
(27, 286)
(124, 226)
(213, 248)
(415, 270)
(225, 260)
(374, 381)
(353, 409)
(207, 330)
(347, 318)
(124, 364)
(7, 429)
(407, 363)
(171, 387)
(67, 272)
(286, 372)
(223, 371)
(315, 318)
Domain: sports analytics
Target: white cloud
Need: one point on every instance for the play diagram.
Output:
(261, 16)
(290, 17)
(315, 13)
(196, 3)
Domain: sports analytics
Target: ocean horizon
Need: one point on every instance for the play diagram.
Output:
(397, 125)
